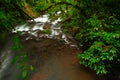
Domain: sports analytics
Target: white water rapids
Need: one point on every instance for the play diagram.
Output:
(34, 29)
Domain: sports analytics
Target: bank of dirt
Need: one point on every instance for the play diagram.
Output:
(54, 60)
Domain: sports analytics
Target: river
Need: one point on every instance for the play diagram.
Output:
(54, 54)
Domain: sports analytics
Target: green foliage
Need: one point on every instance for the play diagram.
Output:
(102, 46)
(17, 45)
(6, 21)
(47, 31)
(24, 74)
(98, 57)
(10, 15)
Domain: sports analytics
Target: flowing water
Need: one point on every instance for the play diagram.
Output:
(36, 29)
(54, 55)
(8, 71)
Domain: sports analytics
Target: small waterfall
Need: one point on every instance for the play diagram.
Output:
(35, 29)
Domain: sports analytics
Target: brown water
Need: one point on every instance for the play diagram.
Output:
(54, 60)
(54, 55)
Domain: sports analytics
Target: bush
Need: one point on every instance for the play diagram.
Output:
(102, 46)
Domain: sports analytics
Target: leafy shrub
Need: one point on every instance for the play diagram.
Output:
(102, 46)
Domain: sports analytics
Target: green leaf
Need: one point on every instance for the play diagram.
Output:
(92, 60)
(31, 68)
(113, 51)
(24, 73)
